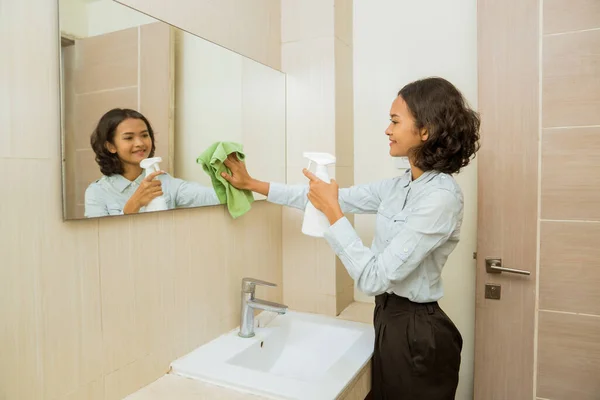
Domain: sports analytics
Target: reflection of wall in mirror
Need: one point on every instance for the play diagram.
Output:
(208, 81)
(223, 96)
(218, 95)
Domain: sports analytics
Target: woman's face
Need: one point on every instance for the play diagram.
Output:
(132, 142)
(402, 132)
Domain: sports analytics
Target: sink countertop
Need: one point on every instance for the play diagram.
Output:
(180, 388)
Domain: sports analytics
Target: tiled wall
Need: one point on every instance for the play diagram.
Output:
(317, 58)
(95, 309)
(569, 298)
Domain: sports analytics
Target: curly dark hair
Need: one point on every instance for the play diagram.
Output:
(105, 132)
(452, 126)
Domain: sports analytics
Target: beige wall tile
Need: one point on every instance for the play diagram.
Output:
(28, 78)
(21, 373)
(306, 19)
(252, 28)
(194, 273)
(342, 278)
(71, 307)
(255, 258)
(570, 267)
(344, 105)
(260, 41)
(571, 88)
(359, 312)
(344, 176)
(127, 276)
(110, 61)
(309, 268)
(299, 254)
(205, 290)
(571, 174)
(344, 297)
(570, 15)
(343, 20)
(568, 356)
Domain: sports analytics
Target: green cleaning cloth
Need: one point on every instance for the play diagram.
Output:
(238, 201)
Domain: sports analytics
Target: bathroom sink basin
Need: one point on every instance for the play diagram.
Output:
(295, 356)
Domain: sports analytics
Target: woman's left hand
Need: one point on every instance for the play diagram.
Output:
(324, 196)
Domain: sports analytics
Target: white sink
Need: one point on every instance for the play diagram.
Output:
(295, 356)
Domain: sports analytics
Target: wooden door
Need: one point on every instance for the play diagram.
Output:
(508, 53)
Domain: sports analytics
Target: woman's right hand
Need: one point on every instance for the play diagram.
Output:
(149, 189)
(240, 178)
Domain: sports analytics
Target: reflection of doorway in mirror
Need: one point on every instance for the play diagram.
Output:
(129, 68)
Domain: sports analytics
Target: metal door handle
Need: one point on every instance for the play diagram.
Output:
(494, 266)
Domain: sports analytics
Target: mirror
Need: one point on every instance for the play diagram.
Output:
(192, 92)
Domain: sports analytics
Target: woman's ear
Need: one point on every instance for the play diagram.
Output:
(110, 147)
(424, 134)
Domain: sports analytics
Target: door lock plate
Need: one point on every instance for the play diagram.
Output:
(492, 291)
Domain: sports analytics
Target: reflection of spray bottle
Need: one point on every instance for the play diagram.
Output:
(315, 222)
(151, 165)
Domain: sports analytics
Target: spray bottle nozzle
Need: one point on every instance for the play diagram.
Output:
(150, 164)
(319, 158)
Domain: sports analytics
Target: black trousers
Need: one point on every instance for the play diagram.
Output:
(417, 351)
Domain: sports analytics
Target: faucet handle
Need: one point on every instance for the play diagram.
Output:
(249, 284)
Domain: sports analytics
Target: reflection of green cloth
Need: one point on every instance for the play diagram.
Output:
(238, 201)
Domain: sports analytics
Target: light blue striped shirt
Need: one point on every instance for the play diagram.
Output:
(417, 227)
(109, 194)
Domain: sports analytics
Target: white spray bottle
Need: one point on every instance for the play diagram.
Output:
(315, 222)
(158, 203)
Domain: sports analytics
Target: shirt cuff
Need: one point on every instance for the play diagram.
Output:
(277, 193)
(341, 234)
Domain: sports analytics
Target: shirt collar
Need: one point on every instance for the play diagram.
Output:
(424, 178)
(121, 183)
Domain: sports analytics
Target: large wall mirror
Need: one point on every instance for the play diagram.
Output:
(117, 65)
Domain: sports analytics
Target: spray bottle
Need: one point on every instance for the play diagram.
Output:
(315, 222)
(158, 203)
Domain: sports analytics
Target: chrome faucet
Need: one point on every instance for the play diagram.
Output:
(249, 304)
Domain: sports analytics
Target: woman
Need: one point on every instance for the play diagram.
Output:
(417, 347)
(121, 140)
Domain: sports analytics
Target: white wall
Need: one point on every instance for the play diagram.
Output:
(396, 42)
